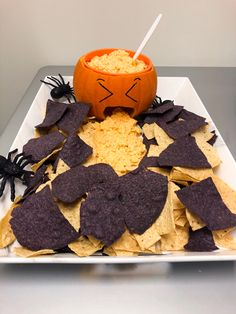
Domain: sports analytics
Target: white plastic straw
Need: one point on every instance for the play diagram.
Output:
(147, 36)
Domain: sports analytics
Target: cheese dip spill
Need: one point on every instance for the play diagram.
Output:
(118, 61)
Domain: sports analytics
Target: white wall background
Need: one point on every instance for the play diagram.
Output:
(35, 33)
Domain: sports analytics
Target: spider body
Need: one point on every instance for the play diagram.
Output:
(60, 88)
(12, 169)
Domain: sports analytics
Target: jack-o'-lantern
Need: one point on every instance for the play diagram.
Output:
(104, 91)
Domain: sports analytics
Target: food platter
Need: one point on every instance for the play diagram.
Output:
(182, 92)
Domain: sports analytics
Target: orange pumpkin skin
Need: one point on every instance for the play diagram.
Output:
(133, 91)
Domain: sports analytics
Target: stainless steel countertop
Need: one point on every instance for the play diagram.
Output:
(153, 288)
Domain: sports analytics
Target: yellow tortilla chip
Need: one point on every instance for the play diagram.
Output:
(109, 251)
(148, 130)
(226, 192)
(155, 150)
(61, 167)
(125, 253)
(181, 221)
(189, 174)
(71, 212)
(175, 201)
(148, 238)
(194, 221)
(37, 165)
(86, 132)
(203, 133)
(165, 222)
(126, 242)
(226, 242)
(6, 234)
(210, 152)
(176, 240)
(162, 171)
(163, 141)
(23, 252)
(95, 241)
(154, 249)
(162, 137)
(83, 247)
(184, 183)
(178, 212)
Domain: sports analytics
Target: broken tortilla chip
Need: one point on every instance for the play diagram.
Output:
(6, 234)
(210, 152)
(194, 221)
(176, 240)
(83, 247)
(23, 252)
(71, 212)
(126, 242)
(148, 130)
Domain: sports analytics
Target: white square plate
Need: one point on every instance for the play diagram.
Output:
(182, 92)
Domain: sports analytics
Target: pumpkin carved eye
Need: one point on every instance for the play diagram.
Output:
(129, 90)
(110, 93)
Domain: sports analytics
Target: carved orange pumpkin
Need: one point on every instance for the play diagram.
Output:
(133, 91)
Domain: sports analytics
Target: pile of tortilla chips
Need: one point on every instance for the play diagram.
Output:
(121, 187)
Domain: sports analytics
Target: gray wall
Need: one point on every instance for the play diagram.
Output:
(37, 33)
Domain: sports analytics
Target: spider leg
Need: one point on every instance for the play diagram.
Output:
(12, 184)
(25, 163)
(17, 157)
(26, 176)
(62, 79)
(68, 98)
(72, 93)
(11, 153)
(73, 96)
(54, 79)
(3, 184)
(23, 158)
(47, 83)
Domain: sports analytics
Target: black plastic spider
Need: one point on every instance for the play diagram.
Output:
(61, 89)
(158, 102)
(12, 169)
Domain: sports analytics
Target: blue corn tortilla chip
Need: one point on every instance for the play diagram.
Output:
(39, 224)
(213, 139)
(204, 200)
(148, 142)
(74, 183)
(180, 128)
(160, 109)
(75, 151)
(189, 122)
(143, 196)
(200, 240)
(36, 180)
(73, 117)
(101, 214)
(188, 115)
(54, 112)
(184, 152)
(149, 162)
(41, 147)
(164, 118)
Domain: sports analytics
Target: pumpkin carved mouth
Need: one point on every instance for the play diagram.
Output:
(109, 110)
